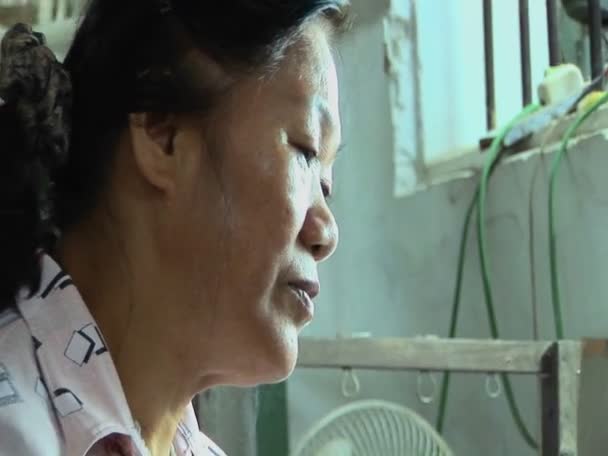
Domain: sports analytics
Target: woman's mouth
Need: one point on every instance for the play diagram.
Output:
(305, 291)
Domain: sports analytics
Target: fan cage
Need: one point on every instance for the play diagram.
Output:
(375, 428)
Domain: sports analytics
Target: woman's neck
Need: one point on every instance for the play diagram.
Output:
(139, 342)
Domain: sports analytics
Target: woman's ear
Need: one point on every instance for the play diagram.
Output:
(152, 138)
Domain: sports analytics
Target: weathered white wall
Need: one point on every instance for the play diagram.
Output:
(393, 274)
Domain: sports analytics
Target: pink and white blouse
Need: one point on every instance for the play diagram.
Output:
(60, 393)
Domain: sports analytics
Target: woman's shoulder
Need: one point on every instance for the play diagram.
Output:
(27, 423)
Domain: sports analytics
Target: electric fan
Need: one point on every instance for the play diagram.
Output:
(372, 428)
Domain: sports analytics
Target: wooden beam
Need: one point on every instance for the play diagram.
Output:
(560, 391)
(456, 355)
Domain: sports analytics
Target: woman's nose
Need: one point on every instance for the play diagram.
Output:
(319, 233)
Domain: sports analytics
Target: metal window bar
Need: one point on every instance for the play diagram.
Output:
(524, 43)
(561, 368)
(488, 40)
(524, 39)
(595, 37)
(552, 30)
(526, 77)
(594, 20)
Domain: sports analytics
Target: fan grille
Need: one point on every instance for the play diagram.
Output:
(375, 428)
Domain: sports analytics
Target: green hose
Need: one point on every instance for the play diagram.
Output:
(480, 197)
(557, 309)
(494, 155)
(445, 385)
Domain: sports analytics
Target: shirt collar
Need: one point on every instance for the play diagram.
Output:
(76, 366)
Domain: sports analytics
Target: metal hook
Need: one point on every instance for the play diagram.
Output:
(350, 383)
(493, 387)
(426, 397)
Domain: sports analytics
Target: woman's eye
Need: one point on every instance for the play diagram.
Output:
(308, 153)
(326, 189)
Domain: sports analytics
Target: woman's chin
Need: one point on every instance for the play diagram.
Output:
(278, 359)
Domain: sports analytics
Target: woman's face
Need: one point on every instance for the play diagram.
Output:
(249, 222)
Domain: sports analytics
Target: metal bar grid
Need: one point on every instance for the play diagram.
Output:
(525, 51)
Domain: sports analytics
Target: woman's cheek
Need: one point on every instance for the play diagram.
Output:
(300, 195)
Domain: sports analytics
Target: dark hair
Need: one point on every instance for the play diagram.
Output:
(127, 56)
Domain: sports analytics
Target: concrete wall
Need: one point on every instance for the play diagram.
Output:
(404, 282)
(393, 274)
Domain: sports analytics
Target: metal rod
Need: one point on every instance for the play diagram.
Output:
(552, 29)
(456, 355)
(524, 42)
(595, 37)
(488, 40)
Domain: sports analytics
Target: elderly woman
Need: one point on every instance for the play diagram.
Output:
(163, 204)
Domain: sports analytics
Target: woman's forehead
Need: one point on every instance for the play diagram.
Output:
(307, 75)
(302, 89)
